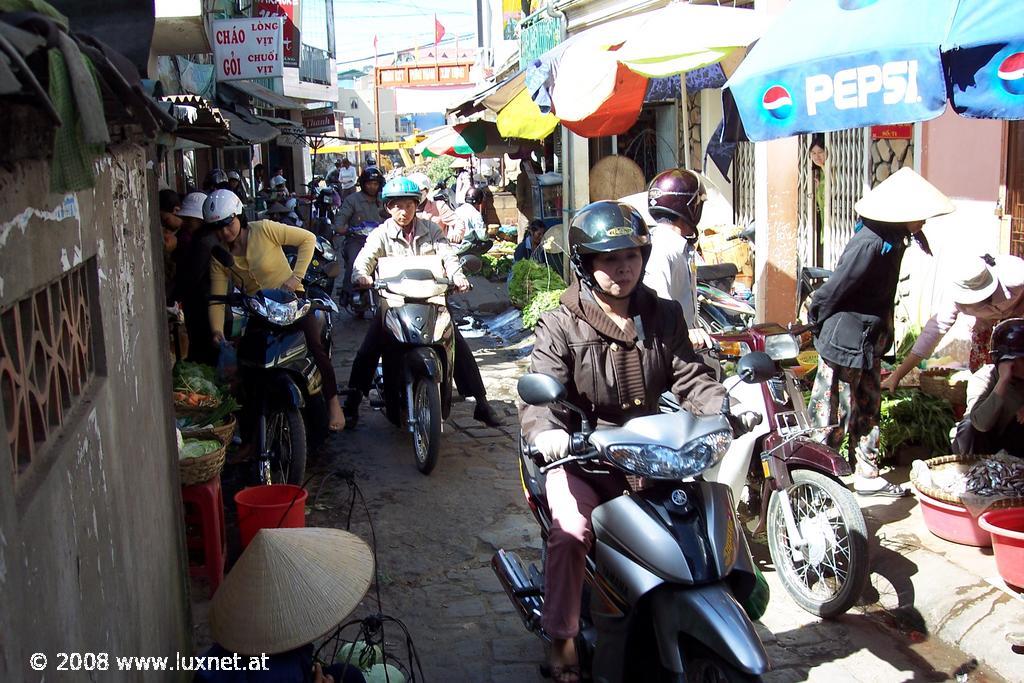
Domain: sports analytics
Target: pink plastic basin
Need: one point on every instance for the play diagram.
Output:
(1007, 529)
(952, 522)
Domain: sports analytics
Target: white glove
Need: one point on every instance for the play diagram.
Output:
(552, 444)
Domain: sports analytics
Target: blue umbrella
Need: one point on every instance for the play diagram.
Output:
(984, 55)
(836, 64)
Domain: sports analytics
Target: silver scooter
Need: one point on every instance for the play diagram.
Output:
(413, 383)
(669, 562)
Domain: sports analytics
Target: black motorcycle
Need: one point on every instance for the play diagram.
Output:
(413, 382)
(278, 375)
(358, 302)
(669, 562)
(322, 212)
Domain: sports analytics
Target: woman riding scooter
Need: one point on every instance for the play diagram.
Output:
(260, 263)
(616, 347)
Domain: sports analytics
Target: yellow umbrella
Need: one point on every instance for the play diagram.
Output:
(522, 118)
(683, 37)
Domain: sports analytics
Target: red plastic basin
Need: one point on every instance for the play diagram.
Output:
(952, 522)
(1007, 529)
(277, 506)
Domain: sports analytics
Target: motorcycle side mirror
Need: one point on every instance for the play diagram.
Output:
(538, 389)
(756, 367)
(471, 265)
(223, 256)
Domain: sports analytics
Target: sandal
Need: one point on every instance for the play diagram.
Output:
(570, 673)
(890, 490)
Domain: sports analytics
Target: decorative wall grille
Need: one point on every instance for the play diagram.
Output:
(690, 132)
(743, 183)
(848, 169)
(46, 361)
(805, 207)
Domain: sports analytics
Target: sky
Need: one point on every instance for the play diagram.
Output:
(398, 24)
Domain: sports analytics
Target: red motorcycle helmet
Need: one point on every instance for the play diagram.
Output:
(1007, 340)
(677, 193)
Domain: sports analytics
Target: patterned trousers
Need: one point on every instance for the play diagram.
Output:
(851, 400)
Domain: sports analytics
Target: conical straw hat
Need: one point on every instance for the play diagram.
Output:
(903, 197)
(290, 587)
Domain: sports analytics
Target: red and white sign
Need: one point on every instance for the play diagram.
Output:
(247, 48)
(289, 11)
(894, 131)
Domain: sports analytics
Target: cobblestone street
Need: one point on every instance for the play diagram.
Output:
(436, 535)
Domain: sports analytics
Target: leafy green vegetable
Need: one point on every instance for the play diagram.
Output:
(542, 302)
(195, 448)
(907, 343)
(912, 417)
(529, 278)
(227, 406)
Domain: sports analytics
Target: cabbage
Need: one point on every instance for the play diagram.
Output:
(364, 656)
(196, 448)
(384, 673)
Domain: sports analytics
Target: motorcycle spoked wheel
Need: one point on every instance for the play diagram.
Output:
(832, 569)
(286, 438)
(426, 437)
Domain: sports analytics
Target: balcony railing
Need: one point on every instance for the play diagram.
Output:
(314, 65)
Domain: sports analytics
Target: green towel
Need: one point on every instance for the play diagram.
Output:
(71, 167)
(756, 603)
(37, 6)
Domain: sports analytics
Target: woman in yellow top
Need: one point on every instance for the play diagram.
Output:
(260, 263)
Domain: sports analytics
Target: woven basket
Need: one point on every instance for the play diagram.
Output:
(201, 469)
(222, 432)
(965, 462)
(936, 383)
(183, 410)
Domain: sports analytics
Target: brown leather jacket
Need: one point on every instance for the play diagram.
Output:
(615, 375)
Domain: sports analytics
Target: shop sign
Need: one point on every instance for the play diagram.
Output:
(895, 131)
(317, 121)
(247, 48)
(288, 10)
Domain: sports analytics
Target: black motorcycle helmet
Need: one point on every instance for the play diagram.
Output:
(603, 227)
(475, 195)
(370, 175)
(1007, 341)
(216, 179)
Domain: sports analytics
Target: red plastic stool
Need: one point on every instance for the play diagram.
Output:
(204, 530)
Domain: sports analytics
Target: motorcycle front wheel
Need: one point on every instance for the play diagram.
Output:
(828, 573)
(286, 439)
(426, 437)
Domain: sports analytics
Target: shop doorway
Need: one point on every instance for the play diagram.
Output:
(1015, 186)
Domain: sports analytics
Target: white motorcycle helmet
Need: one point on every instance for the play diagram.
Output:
(423, 180)
(192, 205)
(220, 207)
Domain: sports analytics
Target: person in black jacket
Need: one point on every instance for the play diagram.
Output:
(853, 314)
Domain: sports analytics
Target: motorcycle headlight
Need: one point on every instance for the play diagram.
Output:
(661, 462)
(284, 313)
(256, 305)
(782, 346)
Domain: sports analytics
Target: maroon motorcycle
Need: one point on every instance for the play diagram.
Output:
(786, 480)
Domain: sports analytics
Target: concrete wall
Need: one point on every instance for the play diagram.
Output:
(91, 553)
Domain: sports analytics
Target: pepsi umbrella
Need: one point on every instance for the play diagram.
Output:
(893, 61)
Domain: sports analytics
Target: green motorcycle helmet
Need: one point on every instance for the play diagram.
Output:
(603, 227)
(400, 188)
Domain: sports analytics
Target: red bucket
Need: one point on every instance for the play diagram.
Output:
(1007, 529)
(276, 506)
